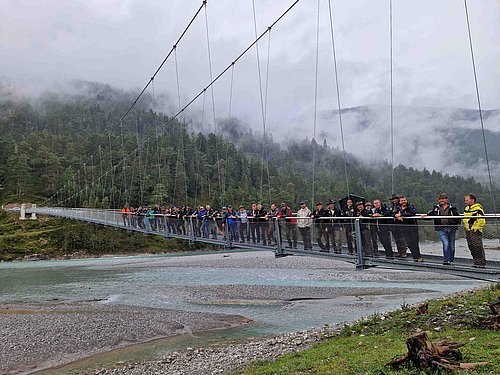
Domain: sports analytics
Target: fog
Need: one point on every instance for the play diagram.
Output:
(121, 42)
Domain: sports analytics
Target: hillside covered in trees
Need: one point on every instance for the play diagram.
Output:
(72, 150)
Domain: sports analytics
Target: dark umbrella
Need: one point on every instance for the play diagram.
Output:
(355, 199)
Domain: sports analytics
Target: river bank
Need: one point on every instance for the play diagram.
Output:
(40, 336)
(53, 313)
(363, 346)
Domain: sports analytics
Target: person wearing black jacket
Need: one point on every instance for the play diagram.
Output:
(396, 229)
(253, 224)
(318, 216)
(334, 228)
(365, 227)
(446, 228)
(380, 228)
(350, 211)
(261, 224)
(409, 227)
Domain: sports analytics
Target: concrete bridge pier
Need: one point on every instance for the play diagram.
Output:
(22, 214)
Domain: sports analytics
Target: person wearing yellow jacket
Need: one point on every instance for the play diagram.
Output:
(474, 230)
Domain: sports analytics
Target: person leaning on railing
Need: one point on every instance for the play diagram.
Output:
(261, 223)
(304, 223)
(395, 229)
(474, 230)
(243, 227)
(379, 228)
(334, 228)
(409, 227)
(365, 210)
(271, 217)
(321, 223)
(446, 228)
(290, 229)
(349, 211)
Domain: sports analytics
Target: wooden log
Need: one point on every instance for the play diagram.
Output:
(495, 307)
(423, 354)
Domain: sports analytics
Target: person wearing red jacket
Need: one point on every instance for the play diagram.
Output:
(290, 228)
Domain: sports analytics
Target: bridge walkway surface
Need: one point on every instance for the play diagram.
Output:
(189, 230)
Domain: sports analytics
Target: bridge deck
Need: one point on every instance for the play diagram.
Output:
(461, 267)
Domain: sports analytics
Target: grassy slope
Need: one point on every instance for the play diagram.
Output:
(366, 346)
(54, 237)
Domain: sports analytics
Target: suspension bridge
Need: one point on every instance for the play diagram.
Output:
(119, 176)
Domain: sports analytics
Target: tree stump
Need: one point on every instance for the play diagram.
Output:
(495, 307)
(423, 354)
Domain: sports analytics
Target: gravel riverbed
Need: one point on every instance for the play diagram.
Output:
(220, 359)
(91, 307)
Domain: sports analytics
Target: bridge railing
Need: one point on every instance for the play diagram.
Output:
(415, 238)
(361, 239)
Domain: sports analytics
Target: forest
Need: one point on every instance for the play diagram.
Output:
(73, 150)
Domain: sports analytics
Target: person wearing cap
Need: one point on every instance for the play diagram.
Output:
(261, 223)
(253, 224)
(206, 221)
(243, 223)
(270, 218)
(221, 221)
(286, 214)
(216, 220)
(380, 228)
(319, 219)
(304, 223)
(474, 230)
(334, 228)
(446, 227)
(409, 226)
(365, 210)
(395, 229)
(350, 211)
(231, 218)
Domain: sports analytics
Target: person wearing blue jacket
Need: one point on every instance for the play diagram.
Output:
(231, 218)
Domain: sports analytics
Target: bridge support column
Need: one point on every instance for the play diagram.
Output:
(228, 239)
(192, 237)
(23, 212)
(280, 249)
(33, 213)
(360, 259)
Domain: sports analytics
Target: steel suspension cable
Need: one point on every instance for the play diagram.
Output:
(338, 97)
(183, 33)
(112, 194)
(492, 195)
(230, 107)
(266, 150)
(222, 184)
(262, 111)
(391, 95)
(198, 181)
(181, 160)
(155, 125)
(211, 83)
(315, 104)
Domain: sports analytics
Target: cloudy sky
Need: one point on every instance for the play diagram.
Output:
(46, 43)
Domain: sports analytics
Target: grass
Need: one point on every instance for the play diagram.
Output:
(365, 347)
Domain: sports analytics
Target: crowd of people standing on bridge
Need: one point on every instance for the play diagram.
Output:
(333, 224)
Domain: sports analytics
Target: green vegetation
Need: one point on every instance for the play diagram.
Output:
(54, 237)
(365, 347)
(71, 150)
(51, 145)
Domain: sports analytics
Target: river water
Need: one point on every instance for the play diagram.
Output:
(279, 295)
(159, 281)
